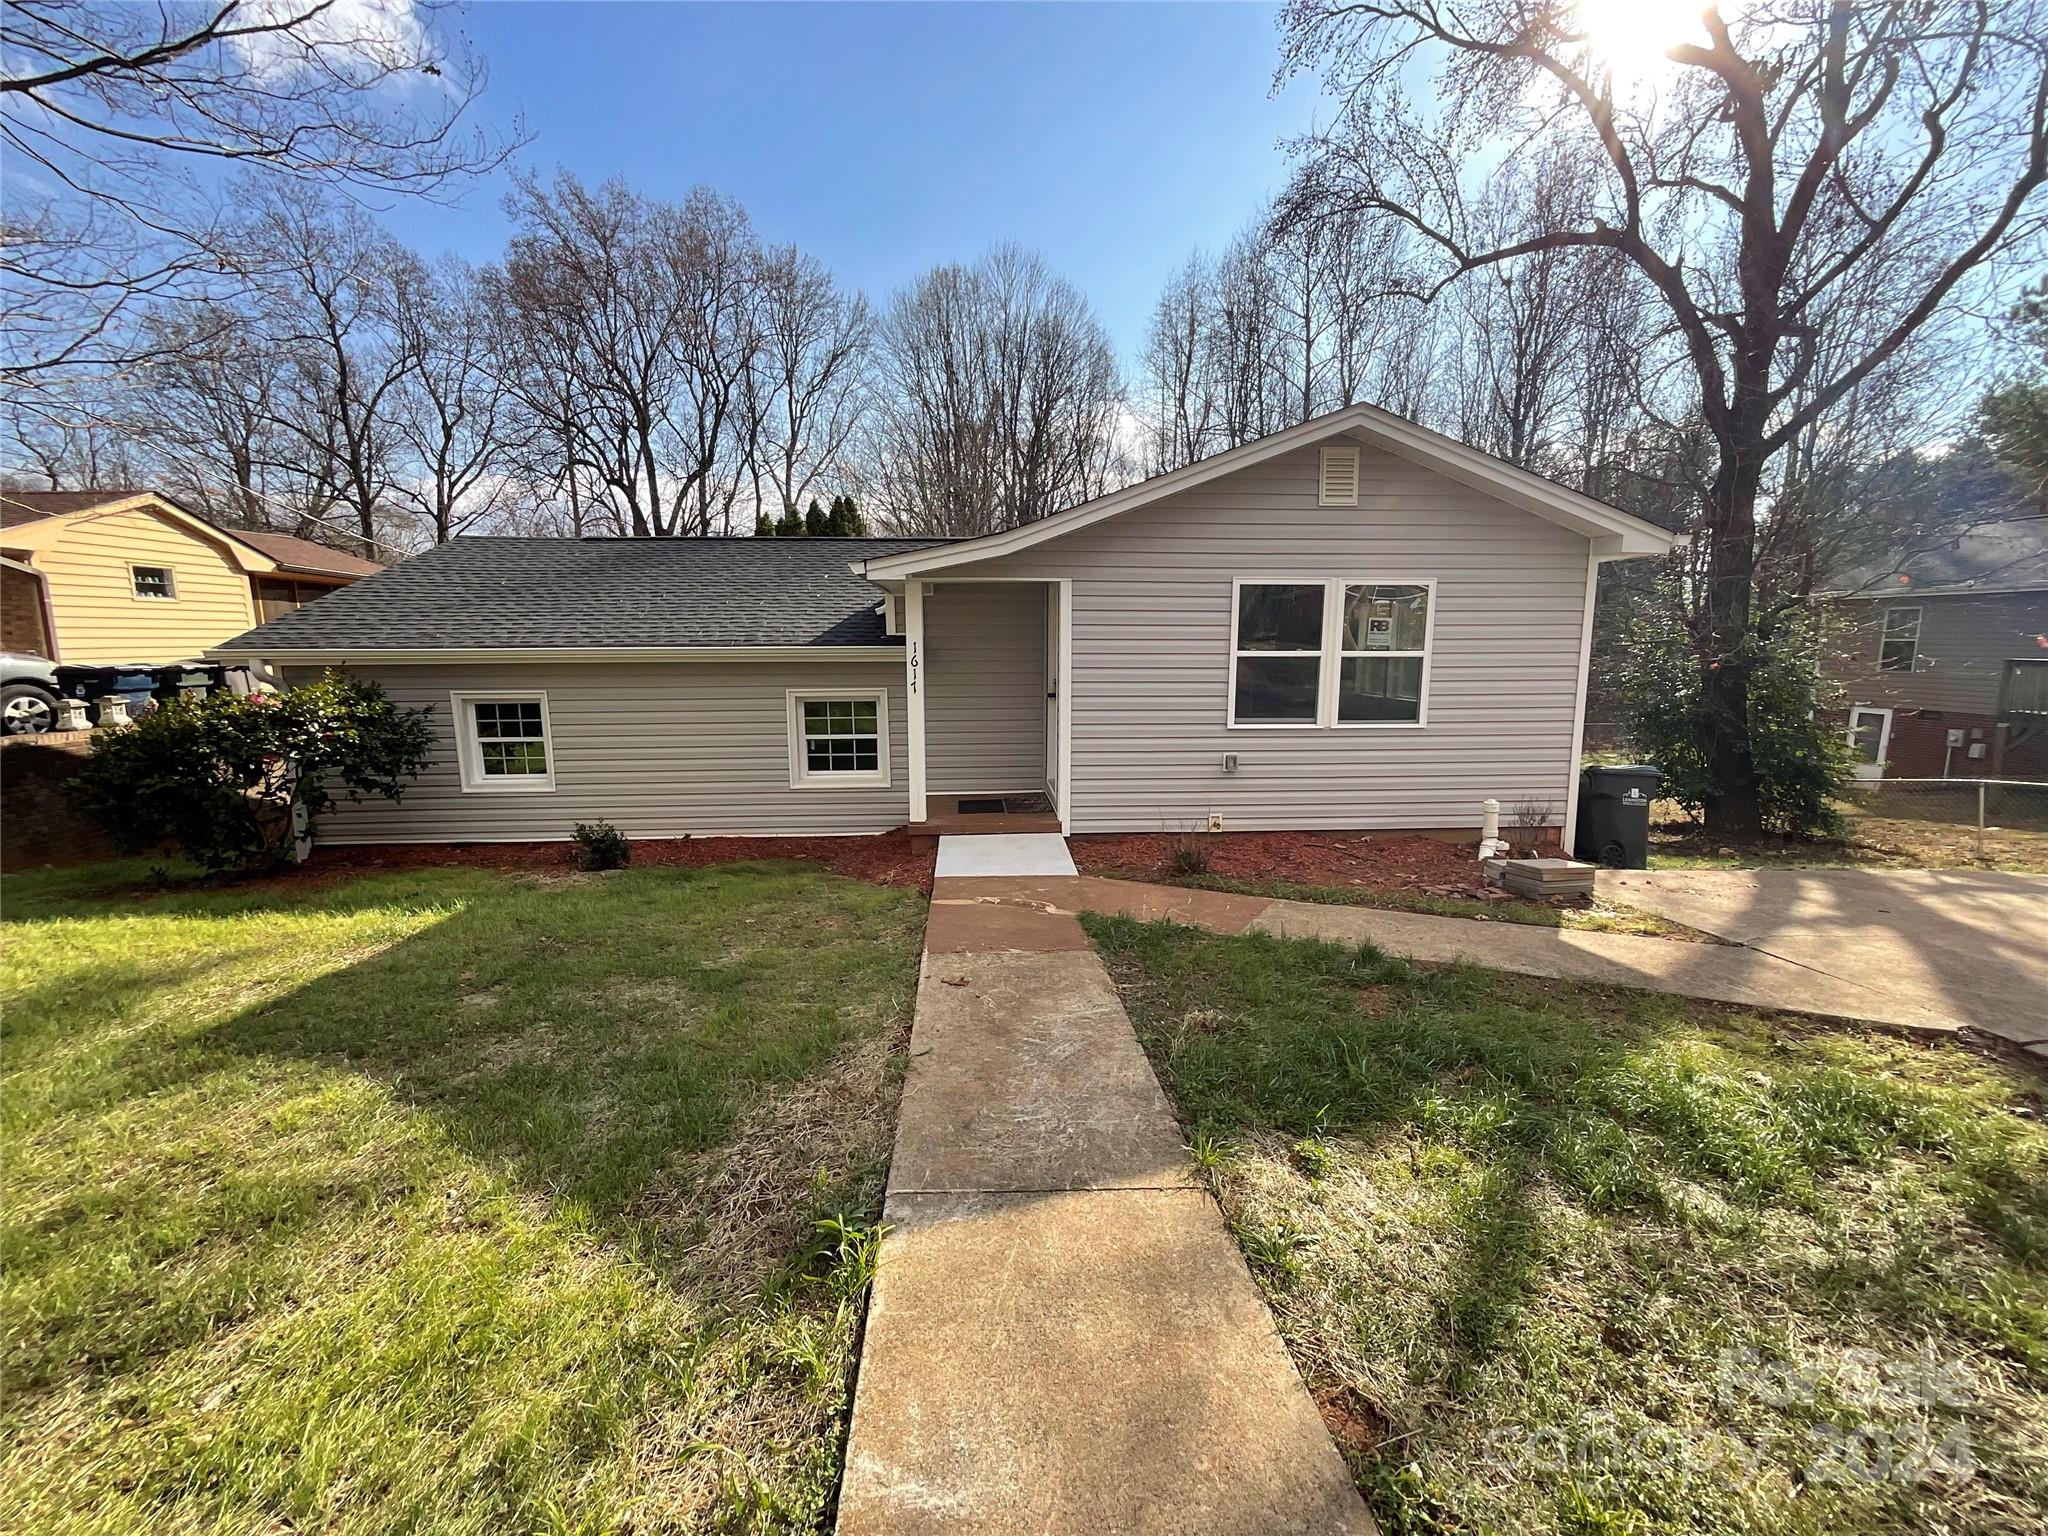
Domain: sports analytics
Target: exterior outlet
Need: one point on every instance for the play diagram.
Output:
(1215, 821)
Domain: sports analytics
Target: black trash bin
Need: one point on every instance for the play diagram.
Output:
(1614, 816)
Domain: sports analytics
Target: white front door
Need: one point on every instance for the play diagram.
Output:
(1870, 737)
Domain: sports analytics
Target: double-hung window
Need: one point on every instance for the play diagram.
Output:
(838, 737)
(1383, 649)
(1277, 670)
(503, 741)
(1900, 641)
(1347, 651)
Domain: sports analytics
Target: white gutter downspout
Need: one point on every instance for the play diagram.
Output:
(1571, 781)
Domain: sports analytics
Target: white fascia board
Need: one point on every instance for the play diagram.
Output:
(496, 655)
(1625, 536)
(1615, 532)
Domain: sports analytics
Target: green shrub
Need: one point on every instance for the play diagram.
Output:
(218, 776)
(600, 845)
(1802, 763)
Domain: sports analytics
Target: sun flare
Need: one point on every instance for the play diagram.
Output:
(1633, 37)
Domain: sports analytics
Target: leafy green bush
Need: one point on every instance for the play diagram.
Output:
(600, 845)
(1802, 763)
(219, 776)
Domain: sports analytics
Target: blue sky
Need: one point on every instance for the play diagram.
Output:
(886, 138)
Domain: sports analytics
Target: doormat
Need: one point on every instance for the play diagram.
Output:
(1011, 805)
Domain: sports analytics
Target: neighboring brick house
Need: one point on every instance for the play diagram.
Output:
(1945, 660)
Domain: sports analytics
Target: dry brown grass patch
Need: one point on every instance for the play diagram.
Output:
(745, 1206)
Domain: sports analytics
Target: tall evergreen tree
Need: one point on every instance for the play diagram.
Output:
(844, 521)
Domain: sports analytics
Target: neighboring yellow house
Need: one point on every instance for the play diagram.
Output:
(121, 576)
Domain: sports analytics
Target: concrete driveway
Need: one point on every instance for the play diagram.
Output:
(1962, 944)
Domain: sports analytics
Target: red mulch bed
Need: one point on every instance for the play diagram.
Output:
(1358, 860)
(885, 860)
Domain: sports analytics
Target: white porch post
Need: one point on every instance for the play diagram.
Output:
(1569, 832)
(1065, 589)
(913, 689)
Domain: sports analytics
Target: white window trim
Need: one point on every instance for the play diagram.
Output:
(469, 758)
(1330, 660)
(1427, 653)
(170, 583)
(800, 775)
(1322, 655)
(1886, 637)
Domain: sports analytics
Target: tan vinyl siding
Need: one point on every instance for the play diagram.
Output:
(984, 657)
(1965, 642)
(92, 592)
(1151, 653)
(657, 749)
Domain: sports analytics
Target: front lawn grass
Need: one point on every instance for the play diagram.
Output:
(442, 1200)
(1564, 1259)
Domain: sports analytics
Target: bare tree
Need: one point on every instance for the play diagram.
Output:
(208, 410)
(1245, 350)
(1177, 396)
(1379, 339)
(453, 410)
(1790, 148)
(808, 386)
(333, 286)
(718, 266)
(1298, 261)
(633, 325)
(999, 399)
(119, 118)
(61, 453)
(1520, 324)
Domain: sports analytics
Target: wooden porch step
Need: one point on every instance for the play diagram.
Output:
(927, 832)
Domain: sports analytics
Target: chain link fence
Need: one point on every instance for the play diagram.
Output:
(1993, 813)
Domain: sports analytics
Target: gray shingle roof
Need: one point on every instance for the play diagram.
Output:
(1996, 556)
(516, 593)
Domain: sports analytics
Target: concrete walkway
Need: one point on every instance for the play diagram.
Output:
(1718, 972)
(1004, 853)
(1063, 1336)
(1964, 944)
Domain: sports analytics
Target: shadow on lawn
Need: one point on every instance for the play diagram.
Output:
(1256, 1035)
(588, 1035)
(526, 1169)
(1613, 1098)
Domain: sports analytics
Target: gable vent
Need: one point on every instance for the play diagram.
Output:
(1340, 478)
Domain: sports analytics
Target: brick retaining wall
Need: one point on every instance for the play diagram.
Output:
(38, 827)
